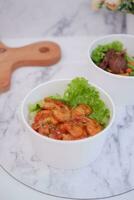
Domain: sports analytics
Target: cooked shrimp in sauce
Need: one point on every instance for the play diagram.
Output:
(59, 121)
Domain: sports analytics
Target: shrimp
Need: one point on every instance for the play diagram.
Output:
(55, 133)
(67, 137)
(60, 111)
(93, 127)
(81, 110)
(74, 130)
(35, 126)
(50, 120)
(51, 103)
(58, 121)
(41, 115)
(62, 114)
(44, 130)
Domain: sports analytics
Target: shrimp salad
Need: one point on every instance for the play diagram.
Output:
(73, 116)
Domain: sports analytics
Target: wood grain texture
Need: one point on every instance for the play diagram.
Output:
(36, 54)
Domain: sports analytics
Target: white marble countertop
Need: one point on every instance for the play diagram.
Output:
(59, 18)
(17, 158)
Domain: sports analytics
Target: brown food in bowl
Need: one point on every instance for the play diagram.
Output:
(59, 121)
(115, 61)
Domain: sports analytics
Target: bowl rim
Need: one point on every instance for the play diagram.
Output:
(26, 124)
(97, 67)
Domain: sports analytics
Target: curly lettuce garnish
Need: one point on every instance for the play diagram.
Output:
(36, 106)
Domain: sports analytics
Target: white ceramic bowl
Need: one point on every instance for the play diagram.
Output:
(119, 87)
(64, 154)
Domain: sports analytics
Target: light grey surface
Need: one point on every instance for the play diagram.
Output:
(59, 18)
(111, 174)
(10, 189)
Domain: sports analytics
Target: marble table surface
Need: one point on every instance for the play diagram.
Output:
(59, 18)
(111, 174)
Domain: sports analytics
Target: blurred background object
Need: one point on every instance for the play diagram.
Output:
(114, 5)
(40, 18)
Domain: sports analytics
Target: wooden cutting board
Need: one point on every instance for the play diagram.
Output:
(36, 54)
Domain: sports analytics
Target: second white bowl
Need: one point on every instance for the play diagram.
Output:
(119, 87)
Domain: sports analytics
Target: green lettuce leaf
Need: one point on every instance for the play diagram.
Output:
(99, 52)
(35, 107)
